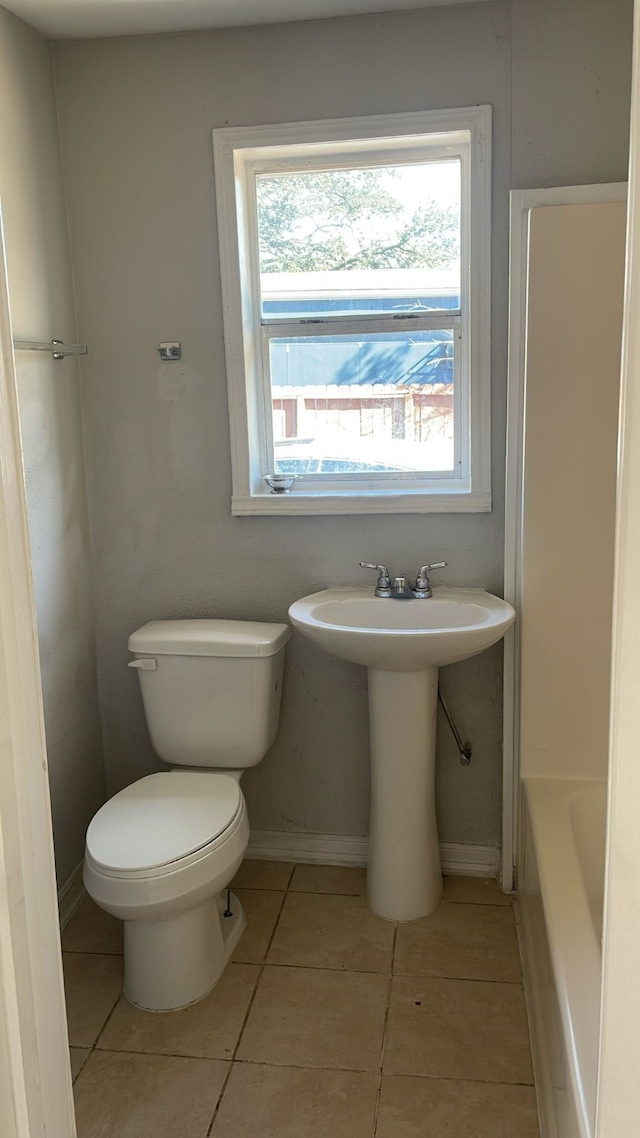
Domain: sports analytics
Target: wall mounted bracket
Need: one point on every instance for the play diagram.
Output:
(170, 351)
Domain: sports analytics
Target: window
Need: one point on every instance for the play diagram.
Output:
(355, 274)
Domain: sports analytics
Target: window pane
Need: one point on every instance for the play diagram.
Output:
(348, 241)
(347, 404)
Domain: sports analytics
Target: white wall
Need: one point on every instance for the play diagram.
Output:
(574, 337)
(42, 307)
(136, 117)
(618, 1083)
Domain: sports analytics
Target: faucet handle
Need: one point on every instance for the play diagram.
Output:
(435, 565)
(383, 584)
(423, 587)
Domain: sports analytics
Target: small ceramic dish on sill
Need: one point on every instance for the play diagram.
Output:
(280, 483)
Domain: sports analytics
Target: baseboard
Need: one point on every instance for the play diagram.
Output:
(345, 849)
(462, 860)
(70, 896)
(314, 849)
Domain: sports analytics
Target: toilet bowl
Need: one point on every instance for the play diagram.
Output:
(161, 853)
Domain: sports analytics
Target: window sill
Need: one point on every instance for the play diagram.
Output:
(298, 503)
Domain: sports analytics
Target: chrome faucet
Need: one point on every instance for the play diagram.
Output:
(423, 588)
(402, 590)
(383, 584)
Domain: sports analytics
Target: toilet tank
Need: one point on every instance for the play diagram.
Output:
(211, 689)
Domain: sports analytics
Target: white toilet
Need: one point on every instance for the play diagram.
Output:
(160, 854)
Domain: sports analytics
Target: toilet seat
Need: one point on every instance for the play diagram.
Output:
(163, 823)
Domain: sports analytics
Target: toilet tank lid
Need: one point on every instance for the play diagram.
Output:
(209, 638)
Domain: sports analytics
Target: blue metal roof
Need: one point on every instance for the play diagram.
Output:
(326, 361)
(415, 359)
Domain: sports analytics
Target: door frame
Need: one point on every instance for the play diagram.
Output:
(36, 1099)
(521, 204)
(618, 1103)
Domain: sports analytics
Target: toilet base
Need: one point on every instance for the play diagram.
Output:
(171, 964)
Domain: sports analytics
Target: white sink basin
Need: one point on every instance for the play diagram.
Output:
(402, 644)
(402, 636)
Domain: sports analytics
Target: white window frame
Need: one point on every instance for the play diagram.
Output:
(240, 153)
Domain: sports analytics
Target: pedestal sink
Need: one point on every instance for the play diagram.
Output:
(402, 644)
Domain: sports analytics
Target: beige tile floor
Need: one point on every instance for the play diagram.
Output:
(328, 1023)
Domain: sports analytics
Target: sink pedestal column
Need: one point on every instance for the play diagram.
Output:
(404, 880)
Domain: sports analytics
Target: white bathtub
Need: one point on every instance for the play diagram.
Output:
(560, 914)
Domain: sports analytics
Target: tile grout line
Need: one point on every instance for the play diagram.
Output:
(455, 979)
(308, 1067)
(368, 1071)
(249, 1007)
(384, 1029)
(223, 1088)
(380, 972)
(334, 968)
(262, 967)
(333, 893)
(322, 968)
(479, 905)
(82, 1065)
(94, 1045)
(90, 952)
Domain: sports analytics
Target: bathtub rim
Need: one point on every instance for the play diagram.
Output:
(566, 908)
